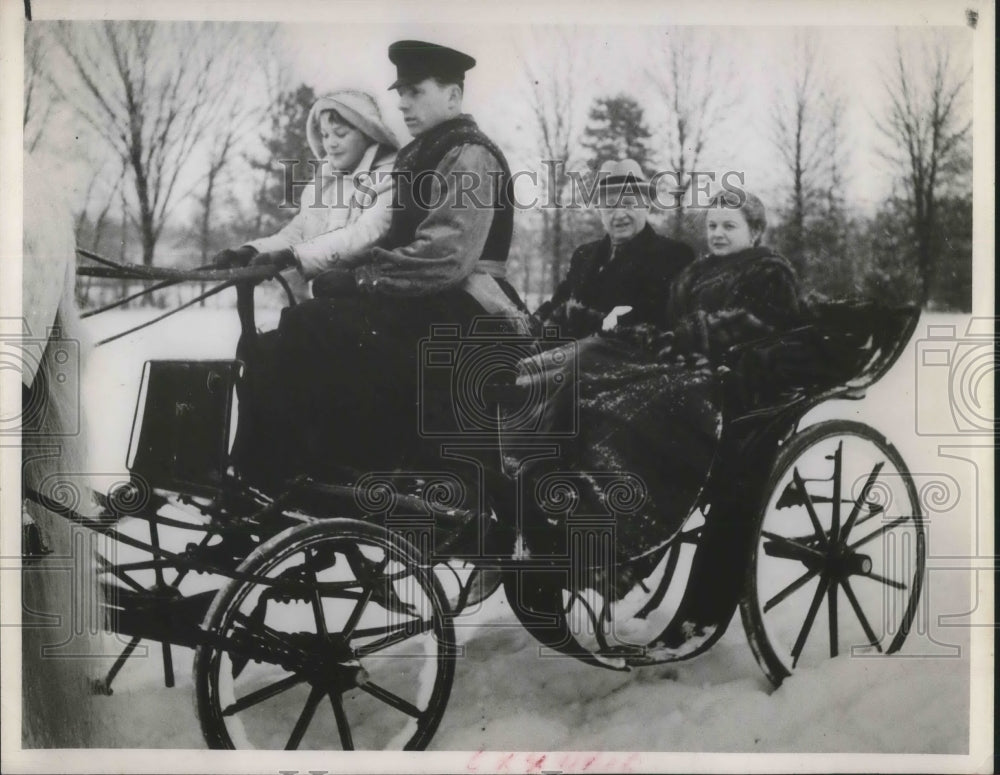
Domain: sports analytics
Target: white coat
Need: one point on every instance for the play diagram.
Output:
(340, 216)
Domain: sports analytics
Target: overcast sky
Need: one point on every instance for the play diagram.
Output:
(615, 59)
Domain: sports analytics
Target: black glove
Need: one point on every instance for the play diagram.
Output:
(278, 259)
(232, 258)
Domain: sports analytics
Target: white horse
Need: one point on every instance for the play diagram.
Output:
(61, 628)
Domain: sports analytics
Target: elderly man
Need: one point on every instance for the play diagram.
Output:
(625, 276)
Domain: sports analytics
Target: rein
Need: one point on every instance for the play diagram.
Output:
(164, 277)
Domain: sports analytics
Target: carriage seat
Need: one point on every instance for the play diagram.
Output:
(840, 349)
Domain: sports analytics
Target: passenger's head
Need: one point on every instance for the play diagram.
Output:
(430, 81)
(734, 221)
(343, 124)
(343, 144)
(623, 199)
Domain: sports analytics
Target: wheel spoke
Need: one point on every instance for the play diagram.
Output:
(796, 549)
(339, 589)
(874, 509)
(800, 641)
(793, 587)
(368, 632)
(832, 608)
(391, 699)
(810, 507)
(888, 582)
(316, 600)
(881, 531)
(346, 741)
(835, 500)
(260, 695)
(869, 633)
(408, 630)
(359, 608)
(862, 498)
(315, 695)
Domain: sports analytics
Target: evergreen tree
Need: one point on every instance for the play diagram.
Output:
(285, 161)
(616, 129)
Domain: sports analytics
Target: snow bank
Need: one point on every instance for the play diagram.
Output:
(509, 694)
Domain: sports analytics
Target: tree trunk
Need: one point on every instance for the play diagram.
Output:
(206, 219)
(557, 240)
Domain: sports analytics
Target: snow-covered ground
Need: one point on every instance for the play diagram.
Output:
(510, 695)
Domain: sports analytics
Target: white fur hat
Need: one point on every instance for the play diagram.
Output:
(357, 108)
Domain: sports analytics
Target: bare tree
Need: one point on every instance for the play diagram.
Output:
(808, 133)
(926, 123)
(554, 102)
(233, 118)
(699, 90)
(39, 97)
(149, 91)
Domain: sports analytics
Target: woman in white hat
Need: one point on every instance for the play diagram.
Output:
(347, 209)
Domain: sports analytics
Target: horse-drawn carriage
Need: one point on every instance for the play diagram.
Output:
(322, 612)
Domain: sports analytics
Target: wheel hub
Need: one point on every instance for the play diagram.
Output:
(329, 660)
(842, 562)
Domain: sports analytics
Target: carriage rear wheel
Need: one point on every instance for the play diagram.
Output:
(838, 560)
(335, 634)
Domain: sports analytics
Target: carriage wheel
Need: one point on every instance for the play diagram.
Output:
(838, 561)
(341, 639)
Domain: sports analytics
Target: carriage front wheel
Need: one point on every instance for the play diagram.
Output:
(332, 634)
(838, 559)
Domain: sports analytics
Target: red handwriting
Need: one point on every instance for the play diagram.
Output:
(507, 763)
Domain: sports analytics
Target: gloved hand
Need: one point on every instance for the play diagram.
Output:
(277, 259)
(232, 258)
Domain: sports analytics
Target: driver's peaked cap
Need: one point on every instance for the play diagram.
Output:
(416, 60)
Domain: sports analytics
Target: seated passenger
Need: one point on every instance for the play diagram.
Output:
(740, 290)
(346, 210)
(737, 293)
(641, 409)
(631, 267)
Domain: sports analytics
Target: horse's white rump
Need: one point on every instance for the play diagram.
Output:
(61, 635)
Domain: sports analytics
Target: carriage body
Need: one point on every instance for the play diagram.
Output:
(341, 588)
